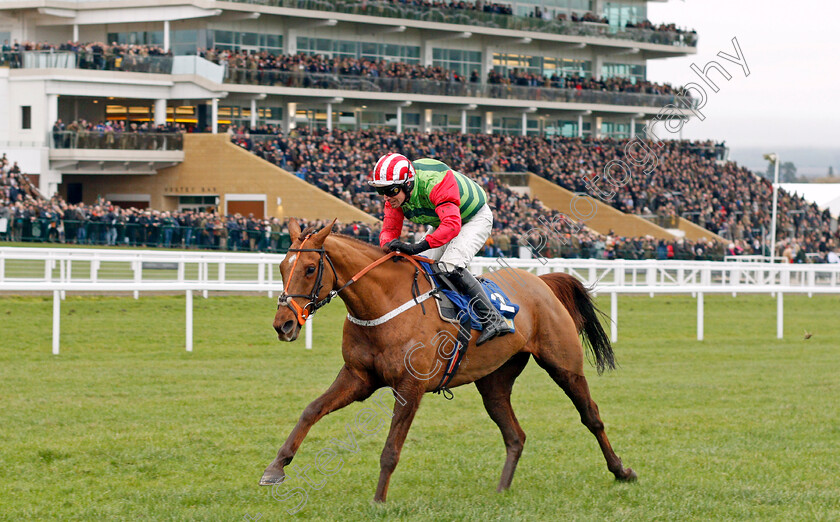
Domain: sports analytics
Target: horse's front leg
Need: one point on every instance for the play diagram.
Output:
(408, 396)
(348, 387)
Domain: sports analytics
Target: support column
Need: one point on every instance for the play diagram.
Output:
(289, 120)
(486, 63)
(488, 122)
(427, 120)
(463, 121)
(632, 126)
(253, 113)
(214, 116)
(524, 124)
(166, 35)
(580, 126)
(75, 32)
(290, 41)
(160, 112)
(329, 117)
(426, 54)
(52, 110)
(399, 119)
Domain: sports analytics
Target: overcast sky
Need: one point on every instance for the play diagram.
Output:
(792, 95)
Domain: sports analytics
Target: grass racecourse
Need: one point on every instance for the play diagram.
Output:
(125, 425)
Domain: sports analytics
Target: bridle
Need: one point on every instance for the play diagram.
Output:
(303, 312)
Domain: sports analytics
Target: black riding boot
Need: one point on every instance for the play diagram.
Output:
(492, 321)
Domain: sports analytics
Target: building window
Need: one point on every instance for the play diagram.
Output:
(137, 38)
(634, 73)
(547, 66)
(237, 41)
(462, 62)
(185, 42)
(26, 117)
(365, 50)
(621, 13)
(615, 130)
(565, 128)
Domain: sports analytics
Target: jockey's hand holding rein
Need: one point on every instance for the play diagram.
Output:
(411, 249)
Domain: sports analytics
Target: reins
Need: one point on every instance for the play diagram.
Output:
(303, 312)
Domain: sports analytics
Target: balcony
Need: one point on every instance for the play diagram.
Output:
(110, 153)
(305, 80)
(478, 18)
(448, 88)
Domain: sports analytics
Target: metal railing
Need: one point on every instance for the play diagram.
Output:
(116, 140)
(155, 235)
(102, 61)
(480, 18)
(448, 88)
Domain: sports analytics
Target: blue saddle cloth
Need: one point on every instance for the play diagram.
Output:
(499, 299)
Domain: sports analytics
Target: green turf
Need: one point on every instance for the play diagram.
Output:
(125, 424)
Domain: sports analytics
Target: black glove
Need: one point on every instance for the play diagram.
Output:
(408, 248)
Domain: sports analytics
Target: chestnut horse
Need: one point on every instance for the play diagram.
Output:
(554, 309)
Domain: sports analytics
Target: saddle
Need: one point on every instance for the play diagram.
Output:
(454, 308)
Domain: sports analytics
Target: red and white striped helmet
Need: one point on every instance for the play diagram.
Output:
(391, 169)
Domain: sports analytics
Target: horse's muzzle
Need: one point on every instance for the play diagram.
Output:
(286, 330)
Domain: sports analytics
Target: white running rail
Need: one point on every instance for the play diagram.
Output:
(59, 270)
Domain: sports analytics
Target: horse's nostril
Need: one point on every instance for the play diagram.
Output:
(288, 326)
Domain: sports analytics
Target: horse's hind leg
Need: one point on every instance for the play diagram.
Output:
(577, 389)
(495, 390)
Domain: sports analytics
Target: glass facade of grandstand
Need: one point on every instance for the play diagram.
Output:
(336, 81)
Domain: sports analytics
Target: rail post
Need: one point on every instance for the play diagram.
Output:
(189, 336)
(56, 321)
(700, 318)
(780, 315)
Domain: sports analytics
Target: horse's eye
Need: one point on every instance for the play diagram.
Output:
(310, 270)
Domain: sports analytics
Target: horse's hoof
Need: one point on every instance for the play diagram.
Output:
(627, 476)
(271, 478)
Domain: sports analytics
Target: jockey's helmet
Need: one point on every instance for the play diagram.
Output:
(392, 170)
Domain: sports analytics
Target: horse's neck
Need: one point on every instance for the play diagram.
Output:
(380, 290)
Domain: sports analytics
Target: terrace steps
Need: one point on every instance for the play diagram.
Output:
(606, 218)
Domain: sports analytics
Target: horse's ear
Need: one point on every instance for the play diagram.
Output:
(322, 234)
(294, 229)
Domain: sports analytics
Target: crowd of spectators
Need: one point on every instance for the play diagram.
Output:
(96, 55)
(524, 78)
(256, 67)
(117, 134)
(263, 67)
(26, 217)
(689, 181)
(486, 7)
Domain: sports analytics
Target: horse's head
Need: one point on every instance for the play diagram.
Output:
(308, 277)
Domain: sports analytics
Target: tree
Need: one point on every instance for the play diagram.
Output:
(830, 171)
(787, 172)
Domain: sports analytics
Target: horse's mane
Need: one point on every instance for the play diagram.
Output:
(368, 247)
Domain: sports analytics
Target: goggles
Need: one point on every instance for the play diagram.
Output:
(388, 190)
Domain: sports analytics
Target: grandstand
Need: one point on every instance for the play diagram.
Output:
(532, 98)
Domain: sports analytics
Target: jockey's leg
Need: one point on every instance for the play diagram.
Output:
(455, 262)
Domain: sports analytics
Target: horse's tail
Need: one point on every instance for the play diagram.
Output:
(575, 297)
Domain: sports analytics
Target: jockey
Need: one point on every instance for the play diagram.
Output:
(428, 192)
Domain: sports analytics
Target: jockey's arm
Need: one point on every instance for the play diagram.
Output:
(447, 200)
(391, 225)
